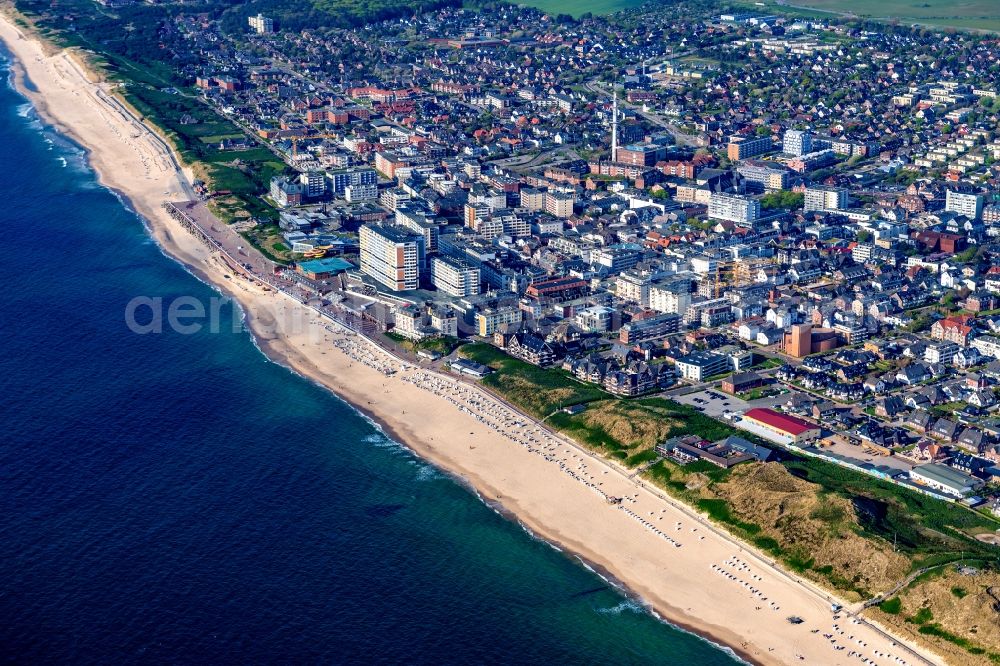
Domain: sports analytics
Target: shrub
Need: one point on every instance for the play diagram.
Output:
(892, 606)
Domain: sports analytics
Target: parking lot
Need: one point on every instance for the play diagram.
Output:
(713, 402)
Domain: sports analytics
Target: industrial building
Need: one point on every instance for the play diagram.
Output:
(778, 427)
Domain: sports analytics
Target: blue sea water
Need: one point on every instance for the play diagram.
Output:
(179, 498)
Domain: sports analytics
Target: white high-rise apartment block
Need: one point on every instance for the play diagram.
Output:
(664, 299)
(455, 277)
(354, 193)
(798, 143)
(633, 288)
(559, 204)
(822, 197)
(391, 255)
(261, 24)
(962, 203)
(733, 207)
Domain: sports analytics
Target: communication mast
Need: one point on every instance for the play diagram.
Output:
(614, 128)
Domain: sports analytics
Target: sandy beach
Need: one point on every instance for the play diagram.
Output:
(675, 561)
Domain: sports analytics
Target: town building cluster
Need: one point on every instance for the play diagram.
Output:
(777, 206)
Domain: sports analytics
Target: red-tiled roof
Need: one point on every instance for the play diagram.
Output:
(789, 424)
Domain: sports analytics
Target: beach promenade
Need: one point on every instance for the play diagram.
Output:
(687, 570)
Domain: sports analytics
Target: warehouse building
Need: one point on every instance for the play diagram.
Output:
(780, 428)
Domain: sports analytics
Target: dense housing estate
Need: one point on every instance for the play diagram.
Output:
(649, 210)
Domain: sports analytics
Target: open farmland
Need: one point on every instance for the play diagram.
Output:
(964, 15)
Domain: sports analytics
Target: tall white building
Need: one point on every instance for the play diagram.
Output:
(454, 277)
(559, 204)
(261, 24)
(354, 193)
(969, 205)
(633, 288)
(391, 255)
(315, 183)
(798, 143)
(822, 197)
(664, 299)
(733, 207)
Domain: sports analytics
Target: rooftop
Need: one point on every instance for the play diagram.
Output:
(326, 265)
(789, 424)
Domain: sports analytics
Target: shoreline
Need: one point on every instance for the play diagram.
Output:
(498, 506)
(279, 346)
(489, 496)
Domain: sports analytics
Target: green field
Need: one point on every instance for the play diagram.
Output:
(963, 15)
(577, 7)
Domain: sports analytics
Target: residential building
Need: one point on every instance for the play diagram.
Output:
(633, 288)
(699, 365)
(595, 319)
(559, 204)
(741, 381)
(941, 352)
(391, 255)
(314, 183)
(260, 24)
(957, 329)
(354, 193)
(649, 328)
(287, 192)
(489, 320)
(616, 258)
(341, 180)
(988, 345)
(531, 348)
(454, 276)
(736, 208)
(669, 298)
(763, 176)
(740, 148)
(797, 143)
(557, 289)
(968, 204)
(532, 199)
(823, 198)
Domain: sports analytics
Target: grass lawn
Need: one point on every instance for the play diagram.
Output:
(216, 138)
(768, 362)
(981, 15)
(538, 391)
(441, 344)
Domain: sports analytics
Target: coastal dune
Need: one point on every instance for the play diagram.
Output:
(673, 559)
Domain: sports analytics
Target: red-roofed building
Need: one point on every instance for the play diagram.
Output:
(957, 329)
(781, 428)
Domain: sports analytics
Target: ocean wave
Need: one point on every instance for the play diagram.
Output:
(427, 472)
(25, 110)
(626, 605)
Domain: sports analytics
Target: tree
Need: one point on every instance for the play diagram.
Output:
(864, 236)
(781, 199)
(966, 256)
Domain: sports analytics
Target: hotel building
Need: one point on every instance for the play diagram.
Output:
(391, 255)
